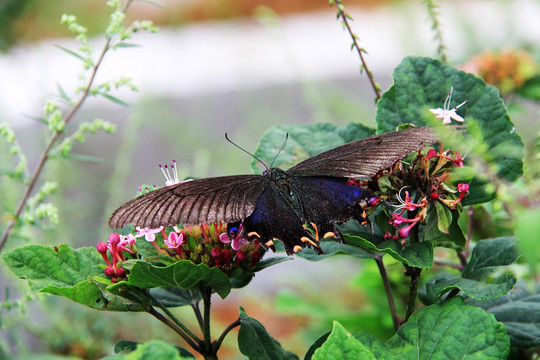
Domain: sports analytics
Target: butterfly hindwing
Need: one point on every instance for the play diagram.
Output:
(365, 157)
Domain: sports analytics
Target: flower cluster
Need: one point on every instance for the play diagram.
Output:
(206, 244)
(427, 178)
(118, 246)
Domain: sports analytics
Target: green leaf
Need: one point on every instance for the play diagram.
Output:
(113, 99)
(317, 344)
(377, 347)
(481, 290)
(531, 88)
(453, 239)
(304, 141)
(255, 342)
(174, 297)
(182, 274)
(444, 217)
(151, 350)
(132, 346)
(480, 191)
(331, 248)
(76, 274)
(481, 278)
(488, 255)
(70, 52)
(63, 93)
(519, 311)
(60, 266)
(452, 330)
(418, 255)
(343, 346)
(263, 264)
(423, 83)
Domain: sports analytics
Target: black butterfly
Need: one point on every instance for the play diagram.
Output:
(277, 204)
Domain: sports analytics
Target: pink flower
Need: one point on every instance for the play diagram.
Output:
(235, 237)
(174, 240)
(404, 231)
(407, 204)
(446, 113)
(149, 234)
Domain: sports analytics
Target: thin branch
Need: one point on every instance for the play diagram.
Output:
(234, 324)
(198, 315)
(448, 263)
(45, 156)
(433, 14)
(388, 288)
(173, 326)
(345, 18)
(173, 318)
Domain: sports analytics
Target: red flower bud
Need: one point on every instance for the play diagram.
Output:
(434, 195)
(255, 257)
(431, 154)
(120, 272)
(109, 271)
(216, 253)
(114, 239)
(240, 257)
(101, 247)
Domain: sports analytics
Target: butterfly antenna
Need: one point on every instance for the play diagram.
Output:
(281, 149)
(247, 152)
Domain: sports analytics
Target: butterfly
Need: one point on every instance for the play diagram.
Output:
(279, 203)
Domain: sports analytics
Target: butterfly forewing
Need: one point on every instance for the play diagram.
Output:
(365, 157)
(225, 198)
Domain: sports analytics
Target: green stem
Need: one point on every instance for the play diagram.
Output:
(224, 333)
(388, 288)
(198, 315)
(173, 318)
(206, 295)
(173, 326)
(345, 17)
(413, 291)
(431, 8)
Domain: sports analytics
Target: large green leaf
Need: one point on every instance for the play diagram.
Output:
(423, 83)
(418, 255)
(182, 274)
(452, 330)
(304, 141)
(481, 279)
(519, 311)
(173, 297)
(61, 266)
(342, 345)
(72, 273)
(255, 342)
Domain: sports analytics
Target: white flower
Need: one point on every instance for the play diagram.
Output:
(446, 113)
(171, 177)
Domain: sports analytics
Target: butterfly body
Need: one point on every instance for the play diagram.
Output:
(278, 204)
